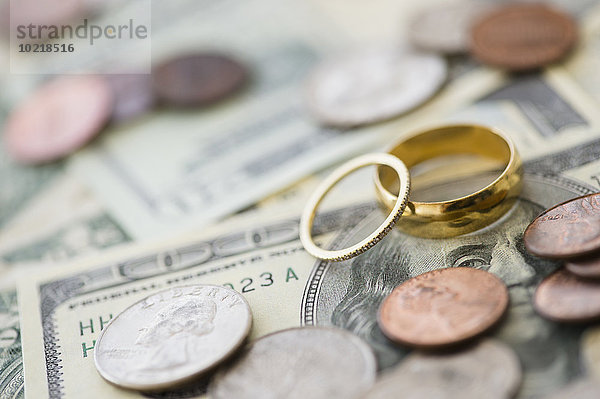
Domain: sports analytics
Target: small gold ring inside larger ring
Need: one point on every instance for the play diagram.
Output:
(306, 222)
(460, 215)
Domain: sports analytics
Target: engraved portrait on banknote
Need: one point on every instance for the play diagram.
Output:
(348, 294)
(11, 361)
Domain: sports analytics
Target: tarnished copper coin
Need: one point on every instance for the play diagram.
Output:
(586, 267)
(569, 229)
(523, 36)
(198, 79)
(565, 297)
(133, 96)
(443, 307)
(59, 118)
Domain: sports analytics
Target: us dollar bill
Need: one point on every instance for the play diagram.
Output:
(63, 312)
(11, 359)
(63, 221)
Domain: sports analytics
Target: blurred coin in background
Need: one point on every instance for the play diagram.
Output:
(373, 85)
(58, 118)
(587, 267)
(446, 28)
(488, 369)
(567, 230)
(564, 297)
(172, 336)
(40, 13)
(443, 307)
(198, 79)
(133, 96)
(299, 363)
(522, 37)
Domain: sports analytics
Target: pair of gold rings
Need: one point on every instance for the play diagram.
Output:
(427, 219)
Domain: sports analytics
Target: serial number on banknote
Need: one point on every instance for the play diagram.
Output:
(263, 280)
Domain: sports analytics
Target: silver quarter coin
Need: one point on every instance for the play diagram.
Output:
(172, 336)
(580, 389)
(374, 85)
(446, 28)
(489, 369)
(299, 363)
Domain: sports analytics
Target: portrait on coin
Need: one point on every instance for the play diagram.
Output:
(171, 336)
(498, 249)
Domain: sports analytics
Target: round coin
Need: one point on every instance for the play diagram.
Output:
(489, 369)
(566, 230)
(133, 96)
(523, 36)
(172, 336)
(446, 28)
(443, 307)
(310, 362)
(586, 268)
(40, 12)
(564, 297)
(198, 79)
(59, 118)
(374, 85)
(590, 352)
(581, 389)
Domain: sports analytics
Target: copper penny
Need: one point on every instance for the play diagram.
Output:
(58, 118)
(585, 267)
(198, 79)
(133, 96)
(523, 36)
(443, 307)
(569, 229)
(565, 297)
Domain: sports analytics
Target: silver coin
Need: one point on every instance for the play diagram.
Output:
(489, 369)
(311, 362)
(374, 85)
(590, 351)
(172, 336)
(446, 28)
(580, 389)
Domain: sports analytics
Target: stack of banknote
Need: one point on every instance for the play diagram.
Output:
(214, 196)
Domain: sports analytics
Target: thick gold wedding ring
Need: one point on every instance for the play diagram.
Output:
(465, 214)
(397, 208)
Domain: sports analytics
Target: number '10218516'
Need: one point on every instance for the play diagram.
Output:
(46, 48)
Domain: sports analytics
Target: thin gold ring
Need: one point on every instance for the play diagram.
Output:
(465, 214)
(306, 222)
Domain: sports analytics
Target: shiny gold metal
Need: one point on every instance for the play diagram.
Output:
(465, 214)
(399, 203)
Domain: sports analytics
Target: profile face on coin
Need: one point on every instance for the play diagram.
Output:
(488, 369)
(172, 336)
(58, 118)
(566, 230)
(198, 79)
(443, 307)
(565, 297)
(523, 36)
(299, 363)
(373, 85)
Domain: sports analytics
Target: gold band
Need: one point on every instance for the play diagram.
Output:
(465, 214)
(306, 222)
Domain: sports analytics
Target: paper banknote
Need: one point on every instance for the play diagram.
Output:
(268, 265)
